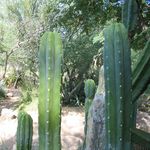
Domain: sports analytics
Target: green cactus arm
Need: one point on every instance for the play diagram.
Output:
(129, 14)
(117, 74)
(50, 55)
(141, 73)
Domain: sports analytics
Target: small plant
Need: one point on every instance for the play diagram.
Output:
(24, 131)
(10, 80)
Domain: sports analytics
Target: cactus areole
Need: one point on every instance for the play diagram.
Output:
(117, 73)
(50, 55)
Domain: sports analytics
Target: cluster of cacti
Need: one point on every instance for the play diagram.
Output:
(50, 55)
(117, 72)
(24, 131)
(95, 134)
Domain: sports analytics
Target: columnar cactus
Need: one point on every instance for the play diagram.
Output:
(24, 131)
(117, 72)
(129, 14)
(50, 56)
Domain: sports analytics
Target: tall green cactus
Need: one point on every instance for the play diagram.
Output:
(50, 56)
(117, 72)
(129, 14)
(24, 131)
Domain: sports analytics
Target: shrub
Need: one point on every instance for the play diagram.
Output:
(26, 97)
(2, 93)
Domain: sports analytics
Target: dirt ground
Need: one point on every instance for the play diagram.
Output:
(72, 124)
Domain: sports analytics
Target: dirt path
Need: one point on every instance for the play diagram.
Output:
(72, 124)
(71, 129)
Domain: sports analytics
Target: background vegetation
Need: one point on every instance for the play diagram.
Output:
(80, 22)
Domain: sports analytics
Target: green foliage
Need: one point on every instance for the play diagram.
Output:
(10, 80)
(77, 51)
(26, 97)
(117, 72)
(24, 131)
(50, 56)
(23, 22)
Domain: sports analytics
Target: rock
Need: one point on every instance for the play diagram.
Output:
(96, 125)
(6, 112)
(9, 94)
(13, 117)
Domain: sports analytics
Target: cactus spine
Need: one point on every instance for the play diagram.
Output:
(50, 55)
(117, 73)
(24, 131)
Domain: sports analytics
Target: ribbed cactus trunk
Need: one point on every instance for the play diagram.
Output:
(117, 72)
(24, 131)
(130, 14)
(50, 56)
